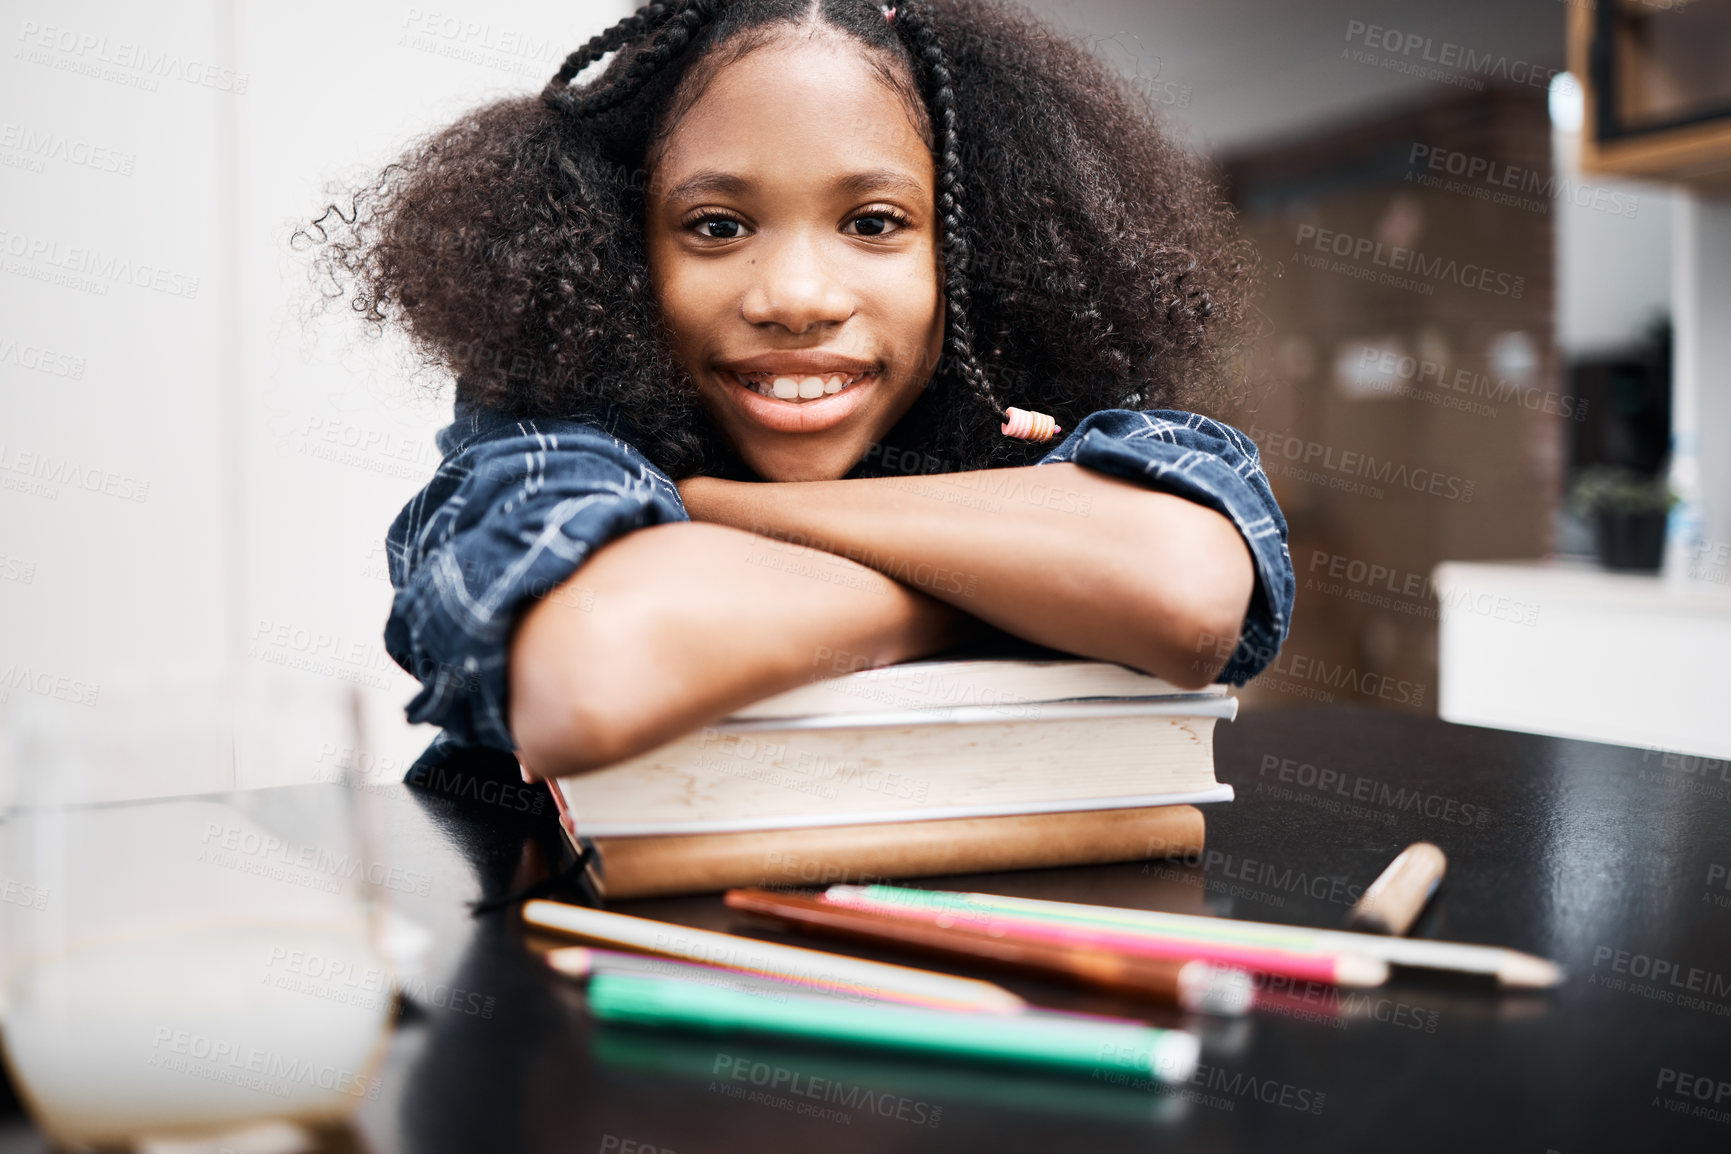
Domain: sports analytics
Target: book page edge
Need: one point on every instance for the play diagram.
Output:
(1221, 792)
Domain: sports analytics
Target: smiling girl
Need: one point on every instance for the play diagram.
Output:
(838, 268)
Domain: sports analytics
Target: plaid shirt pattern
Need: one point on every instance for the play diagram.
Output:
(516, 506)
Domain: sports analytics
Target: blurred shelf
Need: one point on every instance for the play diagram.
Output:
(1568, 649)
(1657, 89)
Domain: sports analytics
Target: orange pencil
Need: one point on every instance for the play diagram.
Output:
(1188, 984)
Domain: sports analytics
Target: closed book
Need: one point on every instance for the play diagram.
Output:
(638, 867)
(921, 768)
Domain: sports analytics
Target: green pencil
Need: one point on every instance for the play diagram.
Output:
(1076, 1043)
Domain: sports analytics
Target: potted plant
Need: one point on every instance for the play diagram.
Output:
(1627, 510)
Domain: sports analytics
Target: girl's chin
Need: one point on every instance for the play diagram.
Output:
(817, 415)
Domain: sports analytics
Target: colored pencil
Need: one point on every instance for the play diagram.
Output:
(1339, 969)
(584, 962)
(1081, 1045)
(1188, 983)
(834, 971)
(1508, 967)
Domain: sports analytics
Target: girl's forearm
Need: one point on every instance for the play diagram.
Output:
(1058, 554)
(672, 627)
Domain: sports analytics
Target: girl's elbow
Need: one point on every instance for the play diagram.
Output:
(1202, 621)
(1189, 648)
(562, 714)
(1207, 646)
(564, 740)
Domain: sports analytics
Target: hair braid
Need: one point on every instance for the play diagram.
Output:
(916, 19)
(639, 23)
(671, 28)
(672, 34)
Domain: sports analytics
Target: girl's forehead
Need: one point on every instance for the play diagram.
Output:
(797, 98)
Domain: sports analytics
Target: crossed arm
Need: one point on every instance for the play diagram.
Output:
(770, 582)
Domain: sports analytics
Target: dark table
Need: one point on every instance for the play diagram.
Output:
(1613, 861)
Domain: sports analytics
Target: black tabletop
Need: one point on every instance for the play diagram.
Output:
(1612, 861)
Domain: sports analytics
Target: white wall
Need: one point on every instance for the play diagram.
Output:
(1613, 248)
(136, 574)
(191, 483)
(1701, 389)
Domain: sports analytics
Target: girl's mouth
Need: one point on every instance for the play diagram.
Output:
(798, 388)
(798, 402)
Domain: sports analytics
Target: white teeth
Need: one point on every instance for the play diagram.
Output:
(807, 388)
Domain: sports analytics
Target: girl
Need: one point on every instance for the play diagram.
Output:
(842, 269)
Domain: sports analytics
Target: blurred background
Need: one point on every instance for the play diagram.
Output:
(1489, 379)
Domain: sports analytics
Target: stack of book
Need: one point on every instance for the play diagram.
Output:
(918, 769)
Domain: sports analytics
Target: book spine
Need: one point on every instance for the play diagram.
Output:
(700, 863)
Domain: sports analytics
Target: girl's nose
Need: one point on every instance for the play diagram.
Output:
(795, 287)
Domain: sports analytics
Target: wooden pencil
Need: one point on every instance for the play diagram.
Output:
(726, 950)
(1187, 984)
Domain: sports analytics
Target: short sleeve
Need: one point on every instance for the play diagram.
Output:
(515, 507)
(1215, 465)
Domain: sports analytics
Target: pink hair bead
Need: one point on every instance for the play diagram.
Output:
(1025, 425)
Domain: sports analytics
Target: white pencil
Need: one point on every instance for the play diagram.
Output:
(816, 967)
(1509, 967)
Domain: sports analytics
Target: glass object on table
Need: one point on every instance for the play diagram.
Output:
(189, 936)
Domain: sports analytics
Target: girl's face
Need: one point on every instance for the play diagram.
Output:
(794, 251)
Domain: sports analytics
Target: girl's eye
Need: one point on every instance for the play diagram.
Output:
(879, 221)
(715, 226)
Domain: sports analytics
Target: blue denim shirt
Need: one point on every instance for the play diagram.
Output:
(517, 505)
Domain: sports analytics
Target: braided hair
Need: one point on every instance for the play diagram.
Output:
(510, 244)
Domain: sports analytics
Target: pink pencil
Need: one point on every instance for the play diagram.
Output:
(1343, 969)
(565, 818)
